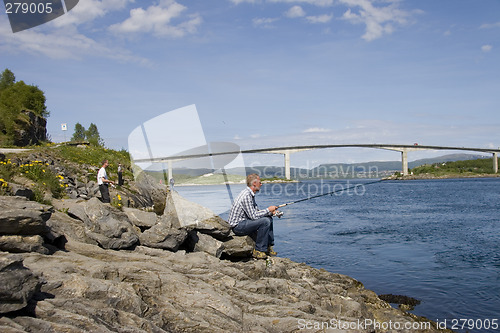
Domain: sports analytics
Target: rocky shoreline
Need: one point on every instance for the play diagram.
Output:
(84, 266)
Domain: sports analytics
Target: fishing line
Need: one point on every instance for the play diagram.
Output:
(332, 192)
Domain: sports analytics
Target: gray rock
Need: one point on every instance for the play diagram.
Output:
(18, 283)
(239, 246)
(98, 290)
(198, 242)
(194, 216)
(21, 191)
(19, 244)
(108, 226)
(18, 216)
(62, 227)
(141, 218)
(164, 235)
(152, 193)
(29, 129)
(102, 224)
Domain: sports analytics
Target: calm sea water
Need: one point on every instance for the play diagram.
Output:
(434, 240)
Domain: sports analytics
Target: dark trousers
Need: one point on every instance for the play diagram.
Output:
(264, 229)
(120, 179)
(104, 193)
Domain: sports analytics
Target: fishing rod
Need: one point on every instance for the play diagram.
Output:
(280, 214)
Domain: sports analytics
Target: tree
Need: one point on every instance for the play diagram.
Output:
(79, 134)
(7, 79)
(22, 96)
(93, 136)
(14, 98)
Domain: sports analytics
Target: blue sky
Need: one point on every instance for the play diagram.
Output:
(273, 72)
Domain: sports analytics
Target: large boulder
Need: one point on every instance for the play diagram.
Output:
(151, 192)
(106, 225)
(61, 227)
(140, 218)
(165, 234)
(199, 242)
(194, 216)
(238, 246)
(18, 216)
(18, 285)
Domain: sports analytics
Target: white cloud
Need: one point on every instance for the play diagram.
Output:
(60, 44)
(264, 22)
(316, 130)
(490, 25)
(157, 20)
(237, 2)
(319, 3)
(486, 48)
(295, 11)
(378, 20)
(89, 10)
(320, 19)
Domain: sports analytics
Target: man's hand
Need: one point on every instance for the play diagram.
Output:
(272, 209)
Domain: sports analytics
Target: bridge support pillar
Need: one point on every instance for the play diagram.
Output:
(495, 162)
(404, 161)
(287, 165)
(170, 173)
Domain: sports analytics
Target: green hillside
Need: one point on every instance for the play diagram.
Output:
(482, 166)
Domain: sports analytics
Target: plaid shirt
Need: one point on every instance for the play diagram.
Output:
(245, 208)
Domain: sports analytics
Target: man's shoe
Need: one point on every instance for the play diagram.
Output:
(259, 254)
(271, 252)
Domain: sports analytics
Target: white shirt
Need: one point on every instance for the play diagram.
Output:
(100, 175)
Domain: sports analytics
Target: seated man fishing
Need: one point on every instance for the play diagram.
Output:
(246, 219)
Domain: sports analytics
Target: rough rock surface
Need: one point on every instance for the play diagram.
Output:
(85, 284)
(195, 216)
(165, 234)
(18, 216)
(29, 129)
(18, 285)
(108, 226)
(149, 290)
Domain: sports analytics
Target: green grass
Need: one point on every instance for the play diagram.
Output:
(459, 168)
(72, 158)
(93, 155)
(44, 180)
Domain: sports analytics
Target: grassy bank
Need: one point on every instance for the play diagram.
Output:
(458, 169)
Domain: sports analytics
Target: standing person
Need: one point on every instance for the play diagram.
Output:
(120, 174)
(172, 182)
(103, 182)
(246, 219)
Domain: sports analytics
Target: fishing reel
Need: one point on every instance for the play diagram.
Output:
(278, 214)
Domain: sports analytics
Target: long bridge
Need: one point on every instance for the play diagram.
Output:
(287, 151)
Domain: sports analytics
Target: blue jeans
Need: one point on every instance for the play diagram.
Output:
(264, 229)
